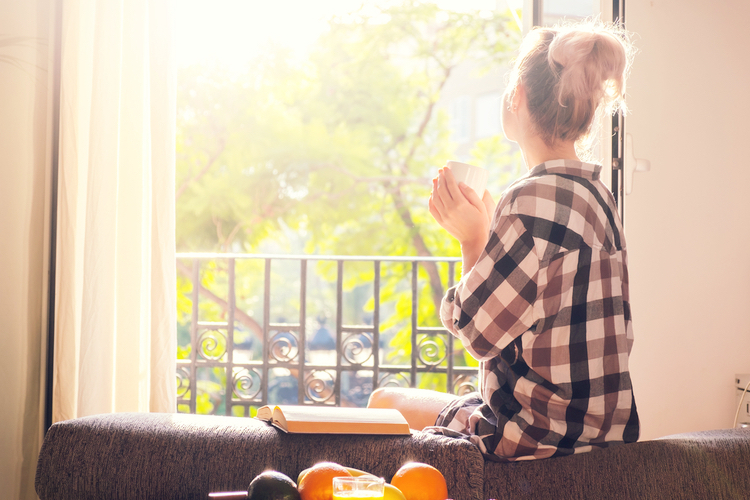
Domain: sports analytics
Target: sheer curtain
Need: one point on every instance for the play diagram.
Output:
(115, 340)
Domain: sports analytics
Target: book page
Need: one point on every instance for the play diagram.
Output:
(337, 420)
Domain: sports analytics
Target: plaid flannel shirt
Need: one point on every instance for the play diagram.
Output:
(546, 312)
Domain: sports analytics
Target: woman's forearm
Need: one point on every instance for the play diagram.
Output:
(470, 252)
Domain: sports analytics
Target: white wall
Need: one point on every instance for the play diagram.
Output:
(23, 169)
(688, 220)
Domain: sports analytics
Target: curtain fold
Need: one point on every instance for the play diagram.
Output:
(115, 339)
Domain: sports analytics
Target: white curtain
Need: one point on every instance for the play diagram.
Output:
(115, 341)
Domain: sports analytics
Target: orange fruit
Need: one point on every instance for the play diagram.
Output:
(420, 481)
(317, 483)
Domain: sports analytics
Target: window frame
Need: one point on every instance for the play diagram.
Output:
(612, 150)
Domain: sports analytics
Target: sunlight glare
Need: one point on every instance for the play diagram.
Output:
(234, 31)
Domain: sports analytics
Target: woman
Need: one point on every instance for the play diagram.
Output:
(543, 302)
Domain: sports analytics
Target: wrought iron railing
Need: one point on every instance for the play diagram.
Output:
(233, 358)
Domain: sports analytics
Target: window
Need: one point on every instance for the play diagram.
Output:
(555, 11)
(461, 119)
(293, 150)
(488, 115)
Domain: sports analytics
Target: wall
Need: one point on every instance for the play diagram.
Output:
(687, 221)
(23, 168)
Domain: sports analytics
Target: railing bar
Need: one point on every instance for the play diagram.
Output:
(301, 341)
(405, 368)
(414, 313)
(266, 330)
(231, 298)
(347, 258)
(236, 365)
(376, 326)
(346, 368)
(232, 361)
(211, 364)
(339, 332)
(437, 369)
(292, 327)
(294, 365)
(432, 329)
(258, 364)
(194, 337)
(357, 329)
(450, 389)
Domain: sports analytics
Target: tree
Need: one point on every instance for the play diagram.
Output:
(340, 147)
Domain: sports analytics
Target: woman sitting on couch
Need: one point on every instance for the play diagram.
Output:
(543, 303)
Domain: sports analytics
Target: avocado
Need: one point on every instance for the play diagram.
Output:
(272, 485)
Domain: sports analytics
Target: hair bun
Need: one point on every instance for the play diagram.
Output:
(591, 63)
(570, 75)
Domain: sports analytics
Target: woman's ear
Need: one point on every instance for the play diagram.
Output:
(518, 98)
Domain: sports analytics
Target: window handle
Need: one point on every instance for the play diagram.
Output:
(633, 164)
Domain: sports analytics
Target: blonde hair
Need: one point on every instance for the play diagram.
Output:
(570, 75)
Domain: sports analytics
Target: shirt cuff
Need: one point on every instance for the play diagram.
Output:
(446, 310)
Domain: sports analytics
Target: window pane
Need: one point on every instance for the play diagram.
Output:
(294, 121)
(555, 11)
(461, 119)
(488, 114)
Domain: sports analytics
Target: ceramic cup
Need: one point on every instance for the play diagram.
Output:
(473, 176)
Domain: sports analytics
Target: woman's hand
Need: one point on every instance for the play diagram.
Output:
(458, 209)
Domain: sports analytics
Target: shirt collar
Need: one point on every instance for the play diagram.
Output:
(577, 168)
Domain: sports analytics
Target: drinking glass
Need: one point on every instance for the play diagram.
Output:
(347, 488)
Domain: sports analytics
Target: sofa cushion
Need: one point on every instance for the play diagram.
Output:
(700, 465)
(142, 456)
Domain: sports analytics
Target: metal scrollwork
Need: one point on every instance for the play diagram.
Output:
(246, 384)
(283, 347)
(464, 384)
(183, 382)
(357, 348)
(213, 345)
(394, 380)
(432, 350)
(319, 385)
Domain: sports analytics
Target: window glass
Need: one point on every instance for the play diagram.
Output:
(461, 119)
(488, 114)
(315, 128)
(556, 11)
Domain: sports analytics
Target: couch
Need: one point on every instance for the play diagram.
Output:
(143, 456)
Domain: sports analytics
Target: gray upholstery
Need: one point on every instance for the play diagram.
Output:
(160, 456)
(142, 456)
(703, 465)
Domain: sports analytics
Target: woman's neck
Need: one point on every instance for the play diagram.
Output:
(536, 151)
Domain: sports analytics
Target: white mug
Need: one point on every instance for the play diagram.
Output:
(473, 176)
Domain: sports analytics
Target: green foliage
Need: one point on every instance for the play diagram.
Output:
(338, 149)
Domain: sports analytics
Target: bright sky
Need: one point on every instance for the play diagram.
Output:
(234, 30)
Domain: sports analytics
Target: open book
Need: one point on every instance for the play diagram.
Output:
(334, 420)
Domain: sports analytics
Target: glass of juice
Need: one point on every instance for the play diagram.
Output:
(347, 488)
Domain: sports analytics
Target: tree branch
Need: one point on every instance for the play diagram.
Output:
(240, 315)
(204, 170)
(416, 237)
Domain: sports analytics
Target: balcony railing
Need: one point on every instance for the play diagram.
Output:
(358, 324)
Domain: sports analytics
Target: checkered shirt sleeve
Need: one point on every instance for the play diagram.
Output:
(546, 312)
